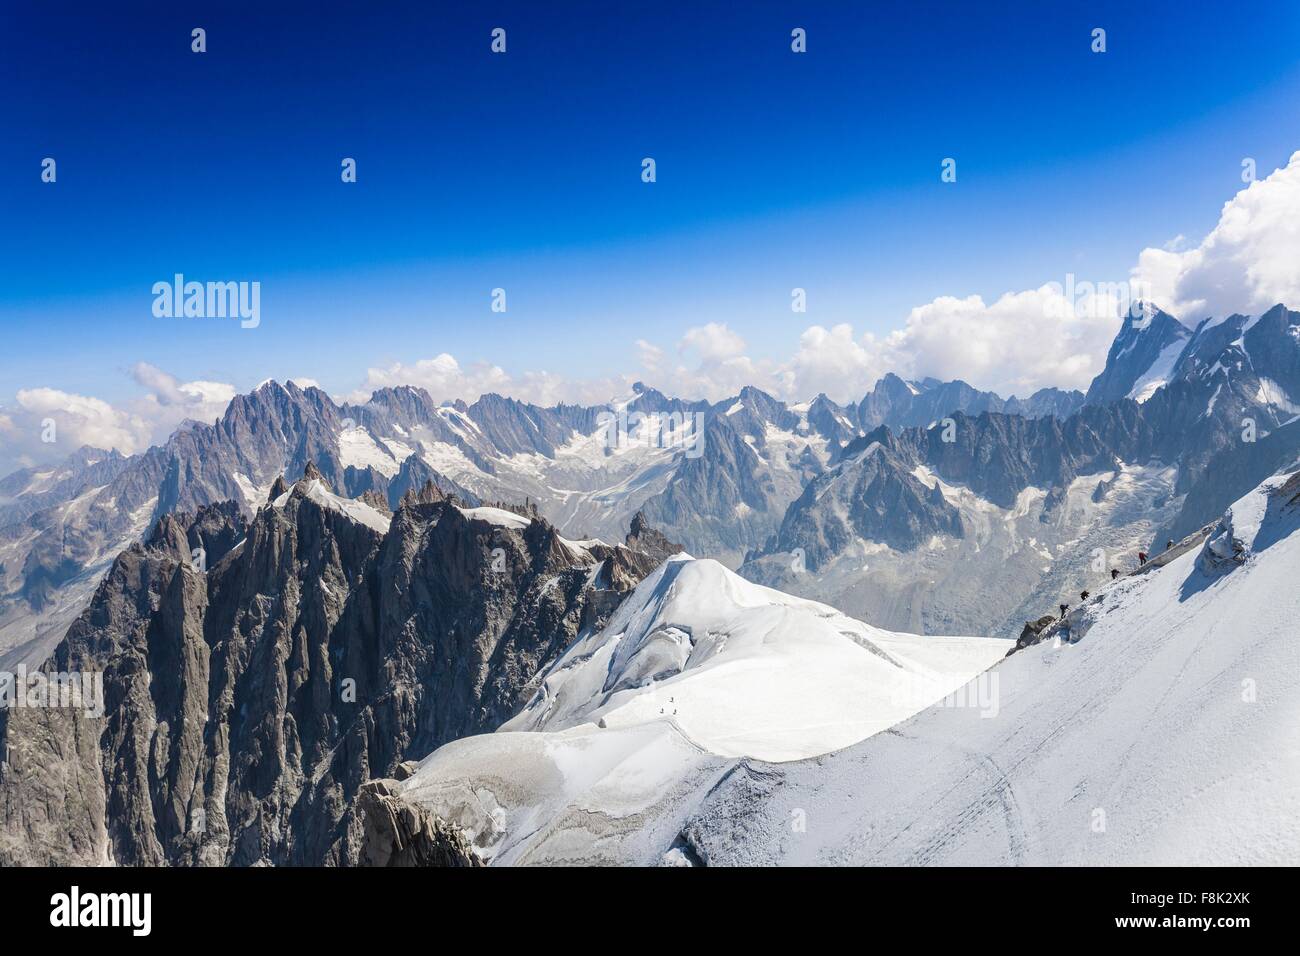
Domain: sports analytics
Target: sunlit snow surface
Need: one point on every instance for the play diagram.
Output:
(744, 670)
(698, 667)
(359, 449)
(357, 511)
(1164, 732)
(1157, 376)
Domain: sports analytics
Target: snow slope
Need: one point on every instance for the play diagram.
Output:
(358, 449)
(355, 510)
(1157, 376)
(1165, 732)
(585, 795)
(497, 516)
(744, 670)
(697, 668)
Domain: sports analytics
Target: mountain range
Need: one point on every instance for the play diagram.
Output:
(1140, 728)
(958, 527)
(1185, 419)
(294, 606)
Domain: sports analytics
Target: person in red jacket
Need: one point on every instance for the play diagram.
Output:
(1142, 558)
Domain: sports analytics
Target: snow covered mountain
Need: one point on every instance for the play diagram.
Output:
(1142, 357)
(912, 531)
(720, 483)
(961, 526)
(697, 666)
(728, 483)
(1227, 415)
(1153, 725)
(1159, 729)
(358, 542)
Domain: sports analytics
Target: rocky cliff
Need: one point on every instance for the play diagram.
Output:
(257, 673)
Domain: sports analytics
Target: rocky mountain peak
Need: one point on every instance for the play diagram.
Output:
(256, 690)
(426, 494)
(1142, 356)
(312, 473)
(642, 537)
(200, 538)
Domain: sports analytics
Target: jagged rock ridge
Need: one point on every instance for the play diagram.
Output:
(324, 645)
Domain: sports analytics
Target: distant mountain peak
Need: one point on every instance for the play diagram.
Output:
(1142, 358)
(312, 473)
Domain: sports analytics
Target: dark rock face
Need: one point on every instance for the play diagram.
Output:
(998, 456)
(275, 429)
(871, 494)
(400, 833)
(415, 474)
(1146, 335)
(1101, 491)
(246, 706)
(207, 536)
(1056, 402)
(900, 404)
(1237, 466)
(722, 498)
(646, 540)
(1033, 632)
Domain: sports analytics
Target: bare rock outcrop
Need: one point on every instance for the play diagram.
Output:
(251, 694)
(400, 833)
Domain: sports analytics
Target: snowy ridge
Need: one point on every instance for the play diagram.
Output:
(357, 511)
(1157, 375)
(744, 670)
(697, 667)
(1160, 731)
(497, 516)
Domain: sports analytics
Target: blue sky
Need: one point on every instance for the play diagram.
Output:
(522, 171)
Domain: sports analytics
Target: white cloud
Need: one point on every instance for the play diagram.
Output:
(713, 342)
(79, 420)
(171, 401)
(1020, 343)
(715, 367)
(832, 361)
(447, 380)
(1249, 261)
(1024, 340)
(650, 356)
(712, 367)
(69, 421)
